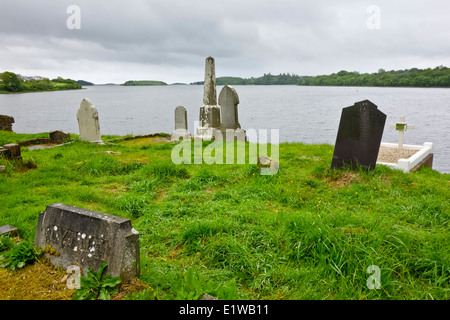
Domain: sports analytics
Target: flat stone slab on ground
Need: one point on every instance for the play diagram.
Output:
(7, 229)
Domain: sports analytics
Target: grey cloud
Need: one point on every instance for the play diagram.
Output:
(247, 38)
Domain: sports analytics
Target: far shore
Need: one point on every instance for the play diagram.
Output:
(9, 92)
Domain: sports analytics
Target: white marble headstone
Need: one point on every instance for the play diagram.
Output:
(88, 122)
(181, 126)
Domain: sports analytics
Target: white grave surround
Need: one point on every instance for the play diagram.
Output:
(406, 165)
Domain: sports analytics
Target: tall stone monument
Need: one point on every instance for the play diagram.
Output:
(88, 122)
(230, 126)
(359, 136)
(210, 111)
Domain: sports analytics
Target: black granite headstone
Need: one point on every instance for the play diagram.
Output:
(359, 136)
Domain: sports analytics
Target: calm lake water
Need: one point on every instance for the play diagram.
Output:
(302, 114)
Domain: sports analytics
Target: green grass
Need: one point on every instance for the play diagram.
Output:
(307, 232)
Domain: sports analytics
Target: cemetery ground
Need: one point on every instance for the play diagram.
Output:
(307, 232)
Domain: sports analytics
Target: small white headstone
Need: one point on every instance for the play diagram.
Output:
(88, 122)
(181, 127)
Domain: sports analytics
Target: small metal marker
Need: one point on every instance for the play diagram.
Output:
(401, 127)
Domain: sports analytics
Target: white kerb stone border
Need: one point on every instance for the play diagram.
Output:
(406, 165)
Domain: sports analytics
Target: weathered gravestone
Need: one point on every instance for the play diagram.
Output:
(88, 238)
(359, 136)
(88, 122)
(210, 111)
(11, 151)
(228, 101)
(59, 136)
(181, 126)
(6, 122)
(230, 127)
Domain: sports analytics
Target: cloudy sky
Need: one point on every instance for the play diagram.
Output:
(169, 40)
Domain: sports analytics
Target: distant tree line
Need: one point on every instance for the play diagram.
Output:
(144, 83)
(266, 79)
(437, 77)
(10, 82)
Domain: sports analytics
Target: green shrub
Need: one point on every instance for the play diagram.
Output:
(95, 286)
(19, 255)
(6, 243)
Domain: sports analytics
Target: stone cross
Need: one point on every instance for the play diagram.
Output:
(88, 122)
(210, 111)
(401, 127)
(181, 126)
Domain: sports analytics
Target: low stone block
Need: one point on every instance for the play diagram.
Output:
(6, 122)
(5, 153)
(59, 136)
(14, 151)
(8, 230)
(267, 165)
(88, 238)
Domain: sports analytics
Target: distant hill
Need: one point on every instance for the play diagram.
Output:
(144, 83)
(266, 79)
(84, 83)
